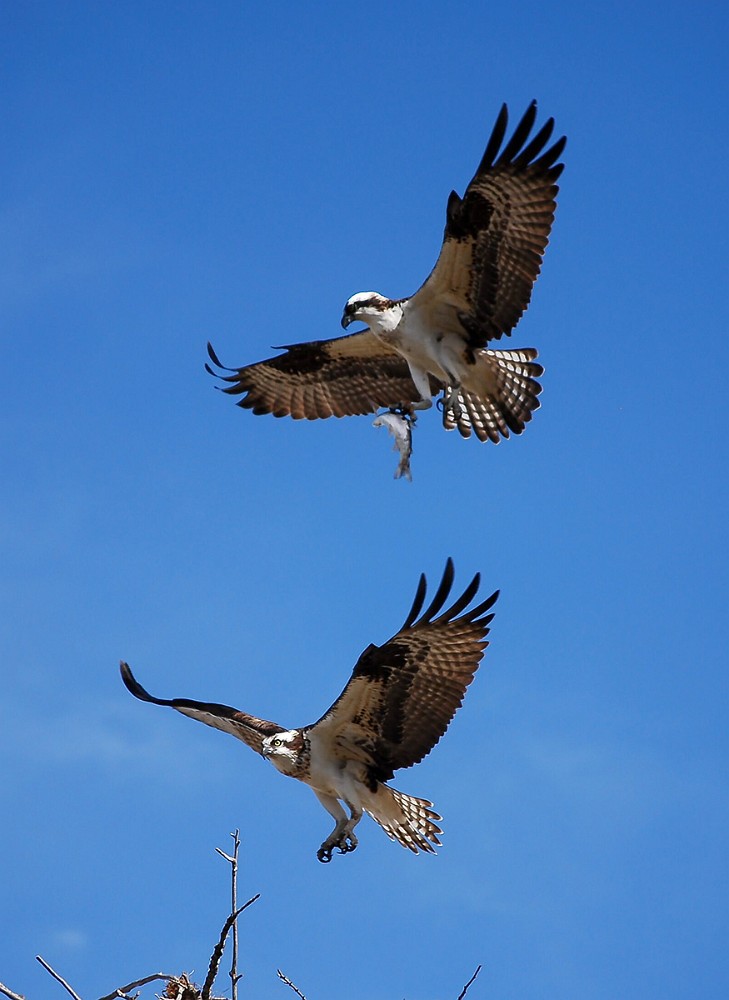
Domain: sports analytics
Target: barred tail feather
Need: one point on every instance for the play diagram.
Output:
(509, 404)
(406, 819)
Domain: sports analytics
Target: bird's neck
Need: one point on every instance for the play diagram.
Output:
(386, 321)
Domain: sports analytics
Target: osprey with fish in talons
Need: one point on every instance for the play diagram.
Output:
(396, 706)
(437, 341)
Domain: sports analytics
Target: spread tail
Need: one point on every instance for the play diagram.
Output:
(508, 402)
(404, 818)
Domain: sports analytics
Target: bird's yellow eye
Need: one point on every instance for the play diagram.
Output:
(276, 742)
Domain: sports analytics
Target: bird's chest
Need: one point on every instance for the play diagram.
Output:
(325, 770)
(425, 344)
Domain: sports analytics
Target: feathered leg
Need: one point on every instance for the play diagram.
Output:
(342, 838)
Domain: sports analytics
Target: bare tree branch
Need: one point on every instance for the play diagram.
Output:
(217, 954)
(216, 958)
(463, 992)
(181, 987)
(285, 979)
(234, 977)
(123, 991)
(55, 975)
(9, 993)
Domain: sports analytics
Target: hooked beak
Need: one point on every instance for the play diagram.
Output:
(347, 318)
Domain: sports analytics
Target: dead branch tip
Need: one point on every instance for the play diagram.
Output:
(7, 992)
(58, 978)
(285, 979)
(124, 991)
(463, 992)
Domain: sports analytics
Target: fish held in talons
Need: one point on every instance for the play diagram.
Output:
(400, 425)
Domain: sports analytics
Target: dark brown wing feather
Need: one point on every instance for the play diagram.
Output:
(229, 720)
(402, 696)
(495, 236)
(342, 377)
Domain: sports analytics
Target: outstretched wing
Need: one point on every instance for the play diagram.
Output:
(402, 696)
(342, 377)
(239, 724)
(495, 236)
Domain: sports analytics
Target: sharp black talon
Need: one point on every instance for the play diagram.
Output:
(405, 411)
(325, 856)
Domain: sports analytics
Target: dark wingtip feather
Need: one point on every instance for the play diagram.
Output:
(134, 687)
(439, 599)
(519, 135)
(495, 139)
(552, 154)
(213, 356)
(442, 592)
(535, 145)
(463, 601)
(477, 613)
(216, 361)
(417, 602)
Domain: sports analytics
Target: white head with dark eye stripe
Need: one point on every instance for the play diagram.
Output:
(380, 314)
(284, 750)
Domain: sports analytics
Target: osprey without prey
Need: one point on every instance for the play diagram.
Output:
(437, 340)
(396, 706)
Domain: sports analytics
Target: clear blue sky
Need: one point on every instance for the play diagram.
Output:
(174, 173)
